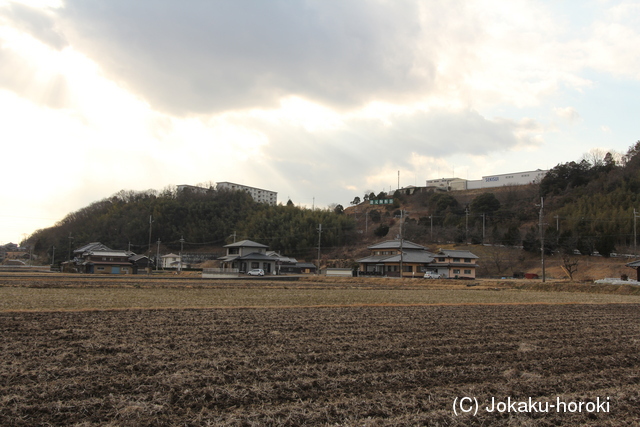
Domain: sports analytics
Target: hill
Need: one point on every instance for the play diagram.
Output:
(194, 221)
(590, 207)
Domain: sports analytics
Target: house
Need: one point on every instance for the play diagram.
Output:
(141, 263)
(454, 263)
(387, 258)
(247, 255)
(107, 262)
(170, 261)
(298, 268)
(82, 251)
(97, 258)
(635, 265)
(284, 264)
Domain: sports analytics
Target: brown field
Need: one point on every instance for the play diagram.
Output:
(359, 360)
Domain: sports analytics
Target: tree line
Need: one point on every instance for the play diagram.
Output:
(209, 218)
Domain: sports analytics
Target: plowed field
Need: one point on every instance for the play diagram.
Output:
(354, 366)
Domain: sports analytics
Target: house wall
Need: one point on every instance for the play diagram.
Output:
(112, 269)
(166, 262)
(489, 181)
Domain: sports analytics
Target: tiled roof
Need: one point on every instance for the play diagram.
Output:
(455, 253)
(246, 244)
(395, 244)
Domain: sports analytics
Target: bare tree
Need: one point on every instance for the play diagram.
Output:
(569, 265)
(595, 156)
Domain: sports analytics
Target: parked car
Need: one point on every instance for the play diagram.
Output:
(432, 275)
(256, 272)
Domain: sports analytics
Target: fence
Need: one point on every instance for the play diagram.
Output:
(212, 273)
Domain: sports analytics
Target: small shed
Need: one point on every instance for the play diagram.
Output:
(635, 265)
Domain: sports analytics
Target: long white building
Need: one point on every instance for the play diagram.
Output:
(490, 181)
(258, 194)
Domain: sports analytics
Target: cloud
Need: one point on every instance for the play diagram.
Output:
(220, 55)
(364, 151)
(40, 23)
(614, 41)
(567, 113)
(20, 75)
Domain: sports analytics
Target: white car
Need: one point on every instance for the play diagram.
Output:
(256, 272)
(432, 275)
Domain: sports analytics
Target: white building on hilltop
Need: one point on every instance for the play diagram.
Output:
(258, 194)
(490, 181)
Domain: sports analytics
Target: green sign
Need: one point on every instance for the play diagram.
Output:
(381, 202)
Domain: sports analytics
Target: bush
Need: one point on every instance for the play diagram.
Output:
(382, 230)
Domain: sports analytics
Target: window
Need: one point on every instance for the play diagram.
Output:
(467, 272)
(234, 251)
(100, 268)
(407, 268)
(255, 265)
(467, 260)
(456, 260)
(456, 271)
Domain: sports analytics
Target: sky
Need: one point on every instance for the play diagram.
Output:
(320, 101)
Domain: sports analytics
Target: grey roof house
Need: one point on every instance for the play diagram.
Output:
(246, 255)
(386, 258)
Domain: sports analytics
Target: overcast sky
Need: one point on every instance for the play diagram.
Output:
(319, 100)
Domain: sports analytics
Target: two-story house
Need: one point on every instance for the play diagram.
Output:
(107, 262)
(454, 263)
(387, 258)
(247, 255)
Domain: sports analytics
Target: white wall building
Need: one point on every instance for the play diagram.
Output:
(490, 181)
(448, 183)
(258, 194)
(171, 261)
(516, 178)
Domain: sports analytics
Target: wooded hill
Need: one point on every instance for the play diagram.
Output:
(588, 205)
(205, 220)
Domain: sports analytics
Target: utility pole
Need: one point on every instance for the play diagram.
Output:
(483, 218)
(635, 239)
(157, 255)
(180, 262)
(401, 241)
(466, 233)
(319, 240)
(70, 239)
(366, 221)
(150, 222)
(557, 217)
(542, 237)
(431, 220)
